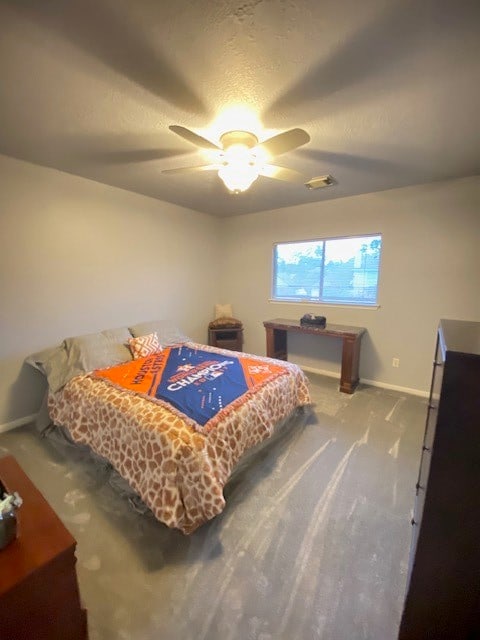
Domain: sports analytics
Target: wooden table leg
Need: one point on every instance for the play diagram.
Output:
(349, 377)
(276, 343)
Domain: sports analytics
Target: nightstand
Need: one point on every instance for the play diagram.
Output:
(226, 337)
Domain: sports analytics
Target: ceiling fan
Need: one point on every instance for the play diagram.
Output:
(242, 158)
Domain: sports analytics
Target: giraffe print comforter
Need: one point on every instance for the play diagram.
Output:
(177, 471)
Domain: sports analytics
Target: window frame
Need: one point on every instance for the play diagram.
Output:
(318, 301)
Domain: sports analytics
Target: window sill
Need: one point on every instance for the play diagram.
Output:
(326, 304)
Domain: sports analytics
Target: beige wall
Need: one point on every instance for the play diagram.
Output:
(78, 257)
(430, 269)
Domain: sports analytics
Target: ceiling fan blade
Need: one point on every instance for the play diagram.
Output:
(285, 141)
(200, 167)
(133, 155)
(192, 137)
(281, 173)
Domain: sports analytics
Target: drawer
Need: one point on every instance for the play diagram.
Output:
(226, 334)
(416, 522)
(433, 402)
(226, 338)
(437, 379)
(430, 428)
(424, 470)
(233, 345)
(421, 488)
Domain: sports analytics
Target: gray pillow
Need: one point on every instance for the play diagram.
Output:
(167, 332)
(53, 364)
(56, 368)
(97, 350)
(37, 360)
(118, 347)
(82, 354)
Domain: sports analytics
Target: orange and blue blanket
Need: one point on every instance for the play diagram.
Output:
(198, 383)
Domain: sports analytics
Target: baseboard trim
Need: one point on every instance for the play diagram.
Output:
(321, 372)
(19, 422)
(396, 387)
(373, 383)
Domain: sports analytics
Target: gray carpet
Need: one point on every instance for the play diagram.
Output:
(313, 543)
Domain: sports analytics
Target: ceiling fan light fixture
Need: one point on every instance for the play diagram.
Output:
(238, 155)
(240, 158)
(240, 168)
(238, 178)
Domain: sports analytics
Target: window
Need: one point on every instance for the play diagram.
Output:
(334, 270)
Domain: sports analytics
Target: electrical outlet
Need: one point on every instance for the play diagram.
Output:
(396, 362)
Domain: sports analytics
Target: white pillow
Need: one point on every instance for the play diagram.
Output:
(223, 311)
(144, 346)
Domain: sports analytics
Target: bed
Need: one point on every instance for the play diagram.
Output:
(173, 421)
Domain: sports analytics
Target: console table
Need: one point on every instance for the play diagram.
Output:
(351, 337)
(39, 595)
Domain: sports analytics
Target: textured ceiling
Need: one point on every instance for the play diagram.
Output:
(387, 89)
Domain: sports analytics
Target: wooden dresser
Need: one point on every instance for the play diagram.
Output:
(443, 587)
(39, 596)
